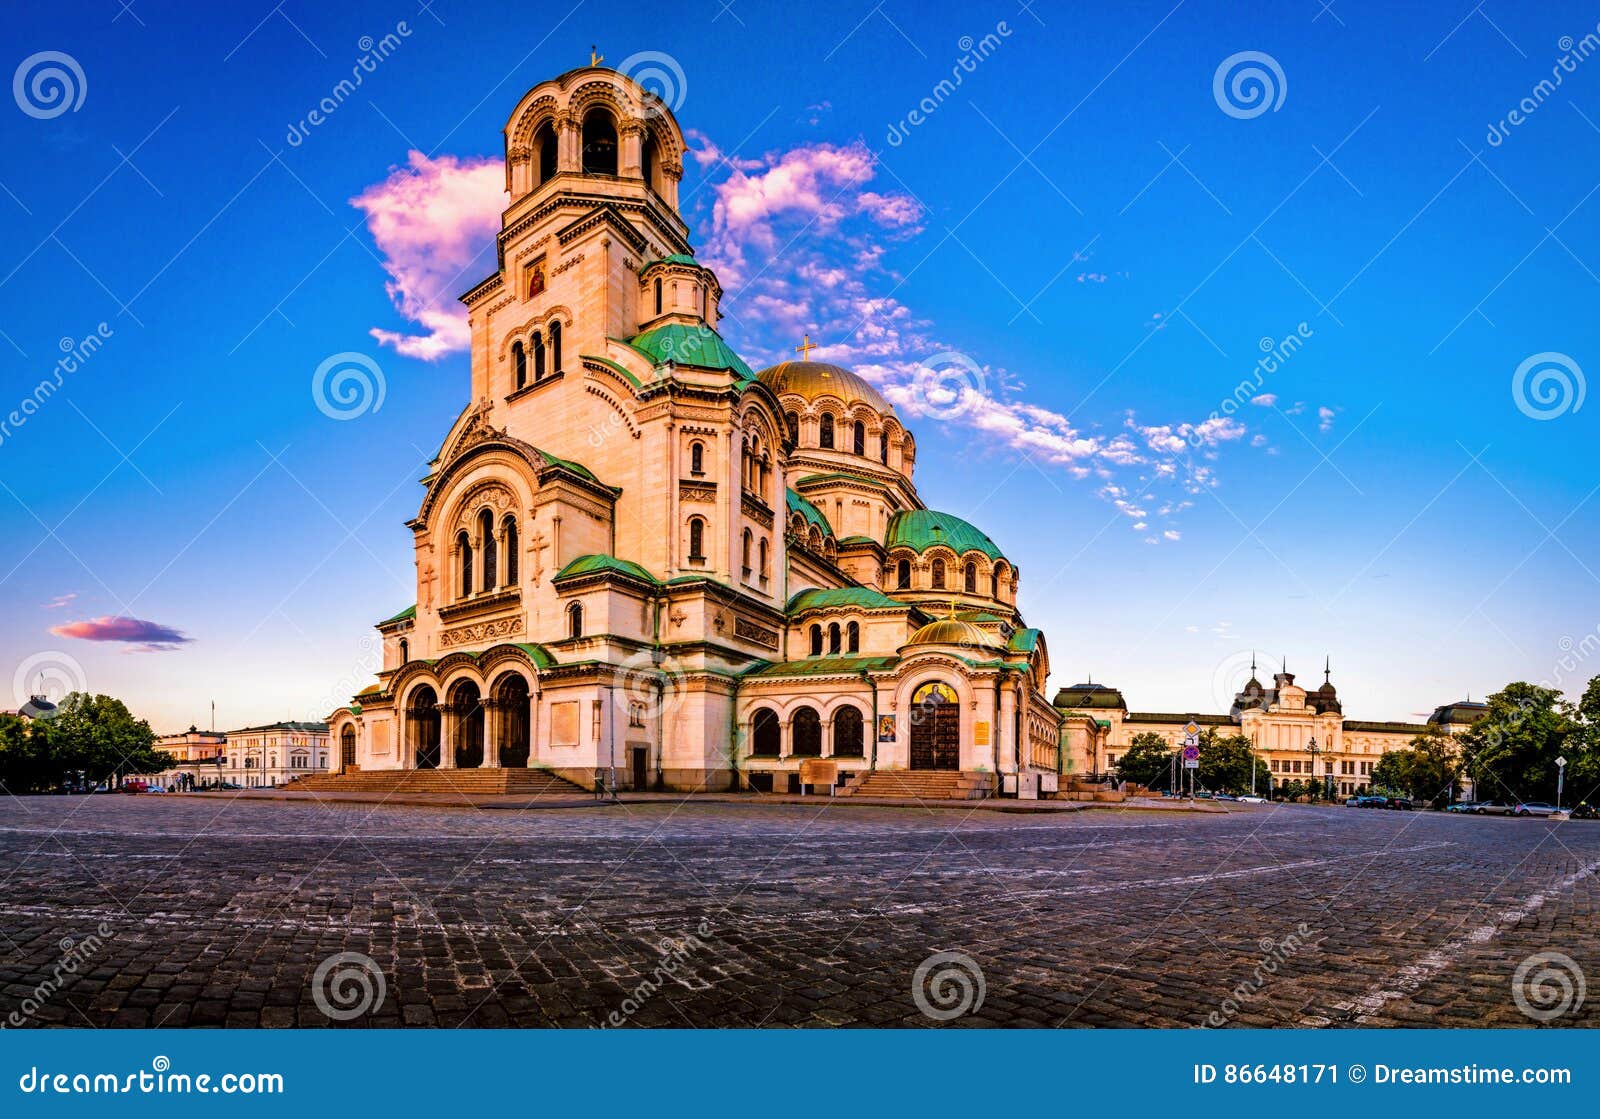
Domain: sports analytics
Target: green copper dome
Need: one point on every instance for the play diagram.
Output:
(921, 529)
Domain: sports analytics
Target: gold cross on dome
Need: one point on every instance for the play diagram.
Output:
(804, 348)
(595, 59)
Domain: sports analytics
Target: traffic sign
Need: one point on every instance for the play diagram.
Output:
(1561, 762)
(1191, 753)
(1191, 763)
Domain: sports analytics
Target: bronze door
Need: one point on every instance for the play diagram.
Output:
(936, 733)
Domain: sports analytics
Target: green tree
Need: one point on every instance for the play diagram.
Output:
(1147, 762)
(98, 735)
(1511, 751)
(1225, 762)
(1583, 746)
(25, 762)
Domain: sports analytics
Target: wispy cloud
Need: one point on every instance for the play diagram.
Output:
(61, 600)
(138, 634)
(431, 219)
(1325, 419)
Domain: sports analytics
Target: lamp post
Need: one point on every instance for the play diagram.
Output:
(1311, 747)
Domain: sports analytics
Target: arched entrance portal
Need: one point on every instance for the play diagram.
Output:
(511, 698)
(935, 728)
(422, 715)
(467, 703)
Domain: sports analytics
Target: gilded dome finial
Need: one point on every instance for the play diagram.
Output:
(805, 347)
(595, 58)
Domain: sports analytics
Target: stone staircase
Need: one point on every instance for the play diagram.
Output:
(920, 784)
(471, 782)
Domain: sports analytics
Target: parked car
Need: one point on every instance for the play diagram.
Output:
(1224, 796)
(1463, 806)
(1399, 804)
(1534, 808)
(1372, 802)
(1352, 802)
(1252, 800)
(1492, 808)
(1583, 810)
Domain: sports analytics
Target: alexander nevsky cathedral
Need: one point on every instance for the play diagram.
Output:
(639, 560)
(637, 556)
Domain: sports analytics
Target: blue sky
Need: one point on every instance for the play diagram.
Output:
(1081, 219)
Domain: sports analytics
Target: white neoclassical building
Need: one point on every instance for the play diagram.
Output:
(637, 556)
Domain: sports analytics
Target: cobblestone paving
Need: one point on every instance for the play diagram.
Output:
(193, 912)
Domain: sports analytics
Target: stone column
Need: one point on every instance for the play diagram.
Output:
(493, 723)
(569, 143)
(630, 157)
(449, 721)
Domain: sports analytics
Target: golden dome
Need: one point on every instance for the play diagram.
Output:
(953, 631)
(816, 379)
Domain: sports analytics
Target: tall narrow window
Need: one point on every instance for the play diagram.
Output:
(697, 458)
(938, 574)
(883, 448)
(748, 538)
(538, 355)
(464, 558)
(816, 640)
(519, 360)
(575, 621)
(826, 439)
(697, 540)
(834, 645)
(545, 138)
(994, 583)
(555, 347)
(902, 575)
(486, 541)
(766, 562)
(405, 651)
(858, 441)
(969, 578)
(508, 533)
(852, 637)
(792, 422)
(599, 144)
(658, 295)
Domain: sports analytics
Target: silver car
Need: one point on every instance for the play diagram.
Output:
(1534, 808)
(1493, 808)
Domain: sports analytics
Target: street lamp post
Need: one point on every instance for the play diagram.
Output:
(1311, 747)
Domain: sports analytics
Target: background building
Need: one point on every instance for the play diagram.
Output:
(199, 754)
(1301, 735)
(274, 754)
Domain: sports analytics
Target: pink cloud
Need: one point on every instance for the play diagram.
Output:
(60, 600)
(149, 636)
(434, 221)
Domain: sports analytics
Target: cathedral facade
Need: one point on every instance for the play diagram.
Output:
(641, 560)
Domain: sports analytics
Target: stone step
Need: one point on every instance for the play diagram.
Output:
(921, 784)
(522, 782)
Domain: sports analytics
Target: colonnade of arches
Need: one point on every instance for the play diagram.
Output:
(472, 727)
(805, 733)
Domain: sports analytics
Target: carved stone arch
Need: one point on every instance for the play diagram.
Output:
(486, 493)
(495, 661)
(669, 146)
(406, 679)
(533, 115)
(603, 93)
(594, 389)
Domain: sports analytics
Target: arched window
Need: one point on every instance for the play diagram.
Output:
(816, 640)
(464, 558)
(826, 440)
(994, 583)
(508, 533)
(538, 355)
(791, 421)
(969, 578)
(745, 562)
(490, 552)
(859, 438)
(766, 560)
(883, 448)
(647, 161)
(807, 732)
(834, 647)
(545, 140)
(938, 574)
(405, 651)
(697, 540)
(519, 361)
(575, 621)
(852, 637)
(697, 458)
(902, 575)
(555, 347)
(658, 295)
(599, 143)
(766, 736)
(849, 741)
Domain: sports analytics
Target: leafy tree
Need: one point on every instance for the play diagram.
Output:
(1225, 762)
(1583, 746)
(99, 736)
(25, 763)
(1511, 750)
(1147, 762)
(1426, 770)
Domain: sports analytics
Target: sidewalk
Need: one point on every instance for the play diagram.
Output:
(490, 801)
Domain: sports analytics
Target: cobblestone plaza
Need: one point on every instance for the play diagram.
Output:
(200, 912)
